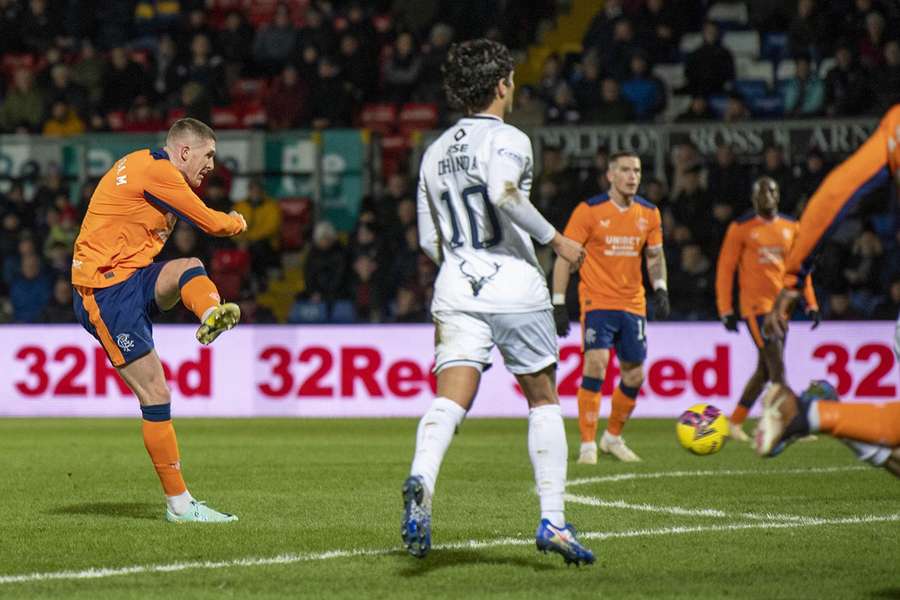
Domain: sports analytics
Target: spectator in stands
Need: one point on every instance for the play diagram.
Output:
(60, 87)
(22, 108)
(61, 229)
(29, 290)
(434, 53)
(164, 70)
(592, 181)
(405, 259)
(204, 68)
(563, 110)
(59, 308)
(235, 39)
(529, 109)
(12, 261)
(890, 307)
(692, 284)
(407, 307)
(847, 91)
(727, 180)
(123, 81)
(275, 42)
(735, 109)
(308, 65)
(645, 91)
(811, 175)
(287, 104)
(185, 242)
(39, 28)
(600, 32)
(809, 32)
(691, 203)
(326, 265)
(10, 14)
(63, 121)
(195, 24)
(840, 308)
(196, 102)
(803, 94)
(659, 31)
(317, 32)
(551, 76)
(142, 117)
(887, 91)
(864, 265)
(698, 110)
(359, 67)
(415, 15)
(332, 103)
(88, 72)
(263, 234)
(402, 69)
(613, 108)
(586, 84)
(9, 237)
(871, 44)
(618, 56)
(367, 294)
(710, 67)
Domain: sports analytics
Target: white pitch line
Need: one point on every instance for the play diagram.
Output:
(710, 473)
(285, 559)
(681, 511)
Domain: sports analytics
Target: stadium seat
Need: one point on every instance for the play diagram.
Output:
(826, 65)
(418, 117)
(751, 89)
(174, 114)
(253, 115)
(379, 117)
(786, 70)
(296, 216)
(690, 42)
(394, 152)
(11, 62)
(742, 43)
(770, 105)
(308, 312)
(116, 120)
(676, 105)
(672, 74)
(729, 15)
(343, 311)
(747, 68)
(229, 267)
(248, 89)
(774, 46)
(226, 117)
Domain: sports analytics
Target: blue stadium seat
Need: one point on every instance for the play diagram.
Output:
(774, 46)
(308, 312)
(343, 311)
(766, 106)
(751, 89)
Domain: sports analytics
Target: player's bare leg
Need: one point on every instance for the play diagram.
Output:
(589, 399)
(456, 388)
(752, 390)
(146, 379)
(623, 401)
(185, 279)
(549, 454)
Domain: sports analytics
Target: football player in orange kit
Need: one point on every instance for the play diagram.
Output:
(872, 430)
(755, 245)
(119, 287)
(615, 229)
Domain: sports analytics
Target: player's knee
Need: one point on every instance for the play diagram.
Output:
(633, 377)
(193, 263)
(160, 393)
(595, 365)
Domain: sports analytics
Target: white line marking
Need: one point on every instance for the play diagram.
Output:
(286, 559)
(711, 473)
(681, 511)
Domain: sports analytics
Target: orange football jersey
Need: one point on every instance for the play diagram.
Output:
(875, 163)
(131, 214)
(756, 248)
(614, 239)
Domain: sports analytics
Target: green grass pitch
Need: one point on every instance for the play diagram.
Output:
(319, 503)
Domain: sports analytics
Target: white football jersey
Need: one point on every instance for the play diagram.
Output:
(487, 262)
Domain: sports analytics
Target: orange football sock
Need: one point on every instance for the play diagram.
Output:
(623, 401)
(588, 410)
(159, 439)
(198, 292)
(872, 423)
(739, 415)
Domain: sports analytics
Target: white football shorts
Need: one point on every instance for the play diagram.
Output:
(527, 341)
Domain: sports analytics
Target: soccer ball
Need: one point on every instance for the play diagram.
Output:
(702, 429)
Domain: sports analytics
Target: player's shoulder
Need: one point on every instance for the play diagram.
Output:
(506, 135)
(745, 218)
(645, 204)
(892, 116)
(594, 201)
(786, 218)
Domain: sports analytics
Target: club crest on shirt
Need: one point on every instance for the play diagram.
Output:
(643, 223)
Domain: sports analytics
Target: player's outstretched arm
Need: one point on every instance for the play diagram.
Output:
(168, 190)
(656, 269)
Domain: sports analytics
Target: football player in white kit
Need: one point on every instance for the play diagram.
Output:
(476, 222)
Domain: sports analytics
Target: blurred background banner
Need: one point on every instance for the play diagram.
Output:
(383, 371)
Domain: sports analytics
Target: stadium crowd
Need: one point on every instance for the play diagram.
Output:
(85, 66)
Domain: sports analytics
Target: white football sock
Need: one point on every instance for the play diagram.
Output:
(812, 416)
(436, 429)
(588, 446)
(870, 453)
(549, 450)
(181, 503)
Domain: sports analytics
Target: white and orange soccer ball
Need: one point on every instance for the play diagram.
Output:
(702, 429)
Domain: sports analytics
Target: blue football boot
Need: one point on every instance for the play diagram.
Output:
(562, 541)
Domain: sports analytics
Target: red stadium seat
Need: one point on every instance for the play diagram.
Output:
(116, 120)
(229, 267)
(379, 117)
(253, 115)
(418, 117)
(173, 115)
(226, 117)
(394, 153)
(249, 90)
(296, 216)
